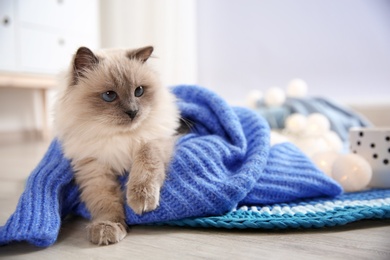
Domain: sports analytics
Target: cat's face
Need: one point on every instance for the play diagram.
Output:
(112, 89)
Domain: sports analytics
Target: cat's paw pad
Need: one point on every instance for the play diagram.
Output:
(106, 232)
(143, 198)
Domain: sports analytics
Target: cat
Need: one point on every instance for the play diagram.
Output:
(114, 116)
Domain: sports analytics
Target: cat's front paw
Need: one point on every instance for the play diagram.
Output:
(106, 232)
(143, 198)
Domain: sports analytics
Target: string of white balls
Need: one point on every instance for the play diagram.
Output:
(312, 134)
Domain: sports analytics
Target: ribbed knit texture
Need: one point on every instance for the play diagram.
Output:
(37, 218)
(224, 162)
(304, 213)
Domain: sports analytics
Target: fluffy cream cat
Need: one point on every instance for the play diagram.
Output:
(115, 116)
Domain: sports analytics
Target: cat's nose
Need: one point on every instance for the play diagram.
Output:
(132, 113)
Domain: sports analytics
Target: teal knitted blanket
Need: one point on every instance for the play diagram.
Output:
(224, 163)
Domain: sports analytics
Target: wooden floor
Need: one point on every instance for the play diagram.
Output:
(361, 240)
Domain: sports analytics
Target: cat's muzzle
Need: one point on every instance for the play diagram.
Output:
(132, 113)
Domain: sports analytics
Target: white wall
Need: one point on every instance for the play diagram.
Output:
(340, 47)
(168, 25)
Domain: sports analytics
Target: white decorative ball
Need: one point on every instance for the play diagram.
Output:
(334, 141)
(274, 97)
(352, 171)
(295, 123)
(317, 124)
(253, 98)
(297, 88)
(324, 161)
(310, 145)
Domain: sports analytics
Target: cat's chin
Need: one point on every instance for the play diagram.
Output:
(124, 127)
(129, 127)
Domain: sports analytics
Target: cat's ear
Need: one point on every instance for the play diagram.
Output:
(142, 54)
(84, 60)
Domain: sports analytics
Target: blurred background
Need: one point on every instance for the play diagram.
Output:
(341, 48)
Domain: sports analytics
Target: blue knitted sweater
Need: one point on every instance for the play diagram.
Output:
(226, 161)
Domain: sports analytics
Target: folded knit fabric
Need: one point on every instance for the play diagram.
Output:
(224, 162)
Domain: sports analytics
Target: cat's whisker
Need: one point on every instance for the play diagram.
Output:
(187, 122)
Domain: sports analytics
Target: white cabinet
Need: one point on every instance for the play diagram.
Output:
(65, 15)
(39, 37)
(7, 35)
(42, 35)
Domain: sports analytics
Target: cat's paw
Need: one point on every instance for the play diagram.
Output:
(143, 198)
(106, 232)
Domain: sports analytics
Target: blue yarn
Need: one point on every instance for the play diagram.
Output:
(225, 161)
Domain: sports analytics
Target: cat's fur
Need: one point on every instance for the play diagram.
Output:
(105, 139)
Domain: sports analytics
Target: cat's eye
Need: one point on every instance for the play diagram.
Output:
(109, 96)
(139, 91)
